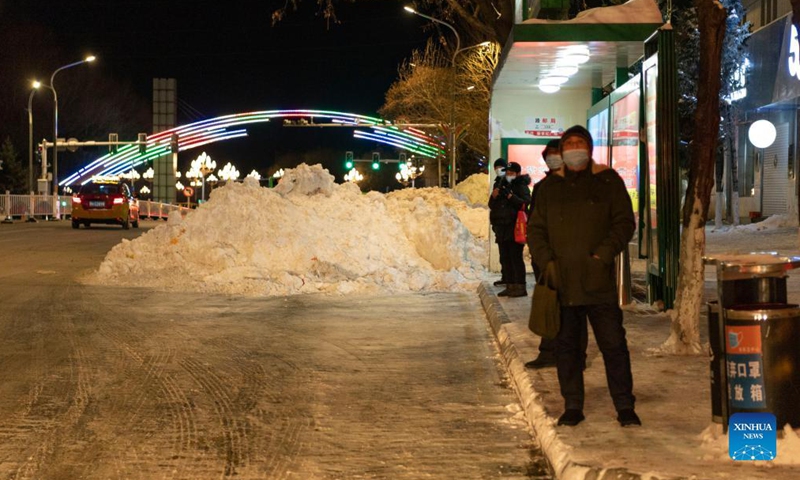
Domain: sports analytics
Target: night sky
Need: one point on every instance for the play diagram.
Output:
(227, 58)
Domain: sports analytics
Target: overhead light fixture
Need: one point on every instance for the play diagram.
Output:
(409, 9)
(553, 80)
(564, 71)
(582, 49)
(575, 58)
(549, 88)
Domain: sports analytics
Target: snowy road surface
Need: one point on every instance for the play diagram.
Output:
(109, 382)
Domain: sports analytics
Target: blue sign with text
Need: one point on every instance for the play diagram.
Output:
(752, 436)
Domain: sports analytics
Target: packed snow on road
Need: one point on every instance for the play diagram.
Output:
(310, 235)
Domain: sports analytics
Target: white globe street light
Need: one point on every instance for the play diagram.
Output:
(228, 172)
(762, 133)
(353, 176)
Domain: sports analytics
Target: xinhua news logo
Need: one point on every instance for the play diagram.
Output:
(752, 436)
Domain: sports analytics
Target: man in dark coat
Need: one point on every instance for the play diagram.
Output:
(509, 197)
(582, 219)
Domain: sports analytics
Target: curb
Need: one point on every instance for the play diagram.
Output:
(544, 427)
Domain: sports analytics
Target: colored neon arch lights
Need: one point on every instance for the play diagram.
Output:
(223, 128)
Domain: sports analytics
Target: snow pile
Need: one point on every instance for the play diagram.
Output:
(475, 188)
(633, 11)
(771, 223)
(307, 235)
(475, 217)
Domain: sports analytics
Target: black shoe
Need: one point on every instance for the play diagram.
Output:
(571, 417)
(628, 417)
(506, 292)
(544, 360)
(518, 290)
(500, 282)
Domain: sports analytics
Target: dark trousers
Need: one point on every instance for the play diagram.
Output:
(548, 345)
(514, 265)
(606, 320)
(504, 261)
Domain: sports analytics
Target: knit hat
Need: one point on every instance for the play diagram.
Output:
(552, 144)
(501, 163)
(577, 131)
(514, 167)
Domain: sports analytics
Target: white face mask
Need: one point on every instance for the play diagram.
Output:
(501, 172)
(510, 179)
(554, 161)
(575, 158)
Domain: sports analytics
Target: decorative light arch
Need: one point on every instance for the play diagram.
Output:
(218, 129)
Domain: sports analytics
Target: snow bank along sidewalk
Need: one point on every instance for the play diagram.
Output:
(309, 235)
(677, 438)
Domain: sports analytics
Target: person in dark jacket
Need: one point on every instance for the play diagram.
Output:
(552, 158)
(507, 199)
(500, 171)
(582, 219)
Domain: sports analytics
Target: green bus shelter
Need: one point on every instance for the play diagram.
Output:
(612, 70)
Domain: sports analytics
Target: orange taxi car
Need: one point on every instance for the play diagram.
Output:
(105, 201)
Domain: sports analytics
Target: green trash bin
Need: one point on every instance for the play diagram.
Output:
(762, 350)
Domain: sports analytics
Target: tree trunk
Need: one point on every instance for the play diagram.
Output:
(685, 335)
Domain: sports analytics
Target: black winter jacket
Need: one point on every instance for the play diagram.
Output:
(579, 215)
(503, 209)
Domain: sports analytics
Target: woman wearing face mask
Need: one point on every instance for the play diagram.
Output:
(582, 219)
(511, 193)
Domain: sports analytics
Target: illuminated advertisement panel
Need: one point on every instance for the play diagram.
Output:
(650, 76)
(530, 158)
(625, 143)
(598, 127)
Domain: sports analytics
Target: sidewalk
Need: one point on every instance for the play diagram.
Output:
(678, 438)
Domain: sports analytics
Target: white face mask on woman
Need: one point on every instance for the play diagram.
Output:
(510, 178)
(501, 172)
(575, 158)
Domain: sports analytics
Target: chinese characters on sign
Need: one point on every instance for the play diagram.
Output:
(744, 367)
(544, 126)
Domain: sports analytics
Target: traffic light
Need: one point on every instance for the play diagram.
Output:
(348, 160)
(142, 143)
(113, 138)
(173, 143)
(376, 161)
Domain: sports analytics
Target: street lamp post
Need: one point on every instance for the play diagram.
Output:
(35, 86)
(453, 96)
(88, 59)
(453, 148)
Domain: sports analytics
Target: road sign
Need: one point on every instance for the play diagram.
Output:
(188, 191)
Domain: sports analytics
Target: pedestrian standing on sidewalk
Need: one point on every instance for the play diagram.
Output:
(547, 355)
(507, 199)
(500, 170)
(582, 219)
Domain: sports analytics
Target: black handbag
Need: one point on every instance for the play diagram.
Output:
(545, 318)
